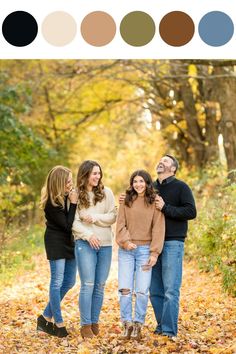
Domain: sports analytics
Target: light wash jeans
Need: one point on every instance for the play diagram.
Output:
(165, 287)
(132, 277)
(94, 266)
(63, 276)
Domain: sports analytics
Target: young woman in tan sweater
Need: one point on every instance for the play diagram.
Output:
(140, 234)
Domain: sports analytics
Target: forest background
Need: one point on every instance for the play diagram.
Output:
(125, 114)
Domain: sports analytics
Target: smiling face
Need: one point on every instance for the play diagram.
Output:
(166, 166)
(139, 185)
(69, 184)
(94, 177)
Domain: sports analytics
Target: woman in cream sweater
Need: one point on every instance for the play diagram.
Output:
(140, 235)
(92, 232)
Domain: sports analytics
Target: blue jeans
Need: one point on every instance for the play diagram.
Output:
(165, 287)
(94, 266)
(131, 277)
(63, 276)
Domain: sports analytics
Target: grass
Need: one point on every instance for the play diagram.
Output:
(17, 256)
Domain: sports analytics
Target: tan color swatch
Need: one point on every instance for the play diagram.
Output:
(59, 28)
(98, 28)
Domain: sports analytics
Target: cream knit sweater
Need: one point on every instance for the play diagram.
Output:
(103, 215)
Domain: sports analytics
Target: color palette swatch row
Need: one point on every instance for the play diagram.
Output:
(99, 28)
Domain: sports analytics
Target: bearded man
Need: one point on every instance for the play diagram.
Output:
(175, 200)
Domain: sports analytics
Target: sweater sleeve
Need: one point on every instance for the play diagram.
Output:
(122, 233)
(158, 233)
(59, 218)
(109, 217)
(186, 210)
(79, 230)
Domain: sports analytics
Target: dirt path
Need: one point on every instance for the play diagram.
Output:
(207, 318)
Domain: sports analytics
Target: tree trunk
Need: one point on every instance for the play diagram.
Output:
(225, 89)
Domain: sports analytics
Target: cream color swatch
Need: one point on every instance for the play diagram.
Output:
(59, 28)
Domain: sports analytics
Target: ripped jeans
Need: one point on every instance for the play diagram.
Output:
(93, 266)
(132, 278)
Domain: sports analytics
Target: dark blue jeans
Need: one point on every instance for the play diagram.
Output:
(93, 266)
(165, 287)
(63, 276)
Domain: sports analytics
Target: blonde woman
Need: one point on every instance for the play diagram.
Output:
(93, 243)
(59, 202)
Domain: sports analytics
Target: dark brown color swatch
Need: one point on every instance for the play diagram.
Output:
(176, 28)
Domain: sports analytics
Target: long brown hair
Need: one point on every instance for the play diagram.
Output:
(85, 170)
(131, 193)
(54, 186)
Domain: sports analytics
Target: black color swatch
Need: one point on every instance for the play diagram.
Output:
(19, 28)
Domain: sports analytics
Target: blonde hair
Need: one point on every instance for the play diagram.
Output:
(54, 187)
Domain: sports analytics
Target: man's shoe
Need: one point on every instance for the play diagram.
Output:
(136, 333)
(169, 335)
(45, 326)
(127, 330)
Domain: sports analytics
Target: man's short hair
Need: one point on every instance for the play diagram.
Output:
(175, 162)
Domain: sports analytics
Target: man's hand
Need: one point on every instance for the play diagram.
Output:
(159, 202)
(95, 242)
(122, 198)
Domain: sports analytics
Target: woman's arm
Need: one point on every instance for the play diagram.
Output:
(109, 217)
(79, 230)
(122, 233)
(158, 233)
(57, 216)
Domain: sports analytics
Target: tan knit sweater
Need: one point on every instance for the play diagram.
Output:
(142, 225)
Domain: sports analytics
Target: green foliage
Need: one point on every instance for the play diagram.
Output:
(17, 255)
(22, 153)
(24, 157)
(212, 237)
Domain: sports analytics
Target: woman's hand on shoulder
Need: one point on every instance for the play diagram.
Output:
(121, 198)
(73, 196)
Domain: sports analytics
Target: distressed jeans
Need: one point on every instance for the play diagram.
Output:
(63, 277)
(132, 278)
(94, 266)
(165, 287)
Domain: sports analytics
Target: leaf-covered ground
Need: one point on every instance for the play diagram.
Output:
(207, 322)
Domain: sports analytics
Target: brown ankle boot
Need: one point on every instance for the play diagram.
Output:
(86, 331)
(136, 333)
(95, 329)
(127, 330)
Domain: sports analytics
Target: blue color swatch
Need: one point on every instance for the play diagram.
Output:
(216, 28)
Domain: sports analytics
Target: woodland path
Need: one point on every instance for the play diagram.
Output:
(207, 322)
